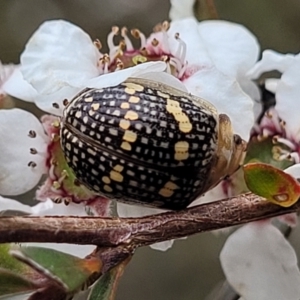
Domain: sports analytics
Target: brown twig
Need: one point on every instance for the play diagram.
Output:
(136, 232)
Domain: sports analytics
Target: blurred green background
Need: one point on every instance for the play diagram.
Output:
(191, 268)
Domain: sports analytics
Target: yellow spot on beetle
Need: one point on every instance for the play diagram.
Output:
(134, 99)
(95, 106)
(163, 95)
(89, 99)
(126, 146)
(106, 179)
(181, 150)
(130, 91)
(168, 189)
(107, 188)
(131, 115)
(171, 185)
(118, 168)
(134, 86)
(125, 105)
(166, 192)
(78, 114)
(130, 136)
(173, 107)
(124, 124)
(116, 176)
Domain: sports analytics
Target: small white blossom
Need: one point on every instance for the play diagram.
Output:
(260, 263)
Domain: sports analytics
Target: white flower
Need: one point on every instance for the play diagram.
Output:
(259, 263)
(60, 60)
(283, 121)
(20, 169)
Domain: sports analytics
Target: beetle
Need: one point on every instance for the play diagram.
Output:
(145, 142)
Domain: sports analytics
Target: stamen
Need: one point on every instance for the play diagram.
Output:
(127, 41)
(98, 44)
(55, 105)
(32, 134)
(139, 35)
(33, 151)
(110, 41)
(181, 50)
(32, 164)
(277, 139)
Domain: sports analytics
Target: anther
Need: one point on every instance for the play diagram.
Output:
(32, 164)
(33, 151)
(55, 105)
(67, 200)
(144, 51)
(166, 25)
(56, 124)
(57, 200)
(98, 44)
(176, 35)
(154, 42)
(65, 102)
(135, 33)
(32, 134)
(282, 123)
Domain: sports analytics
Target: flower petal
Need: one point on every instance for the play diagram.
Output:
(16, 176)
(293, 170)
(17, 87)
(165, 78)
(260, 263)
(59, 54)
(226, 94)
(232, 48)
(45, 102)
(10, 204)
(270, 61)
(181, 9)
(287, 98)
(117, 77)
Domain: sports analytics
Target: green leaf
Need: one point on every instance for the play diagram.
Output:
(272, 184)
(7, 261)
(105, 288)
(72, 272)
(11, 284)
